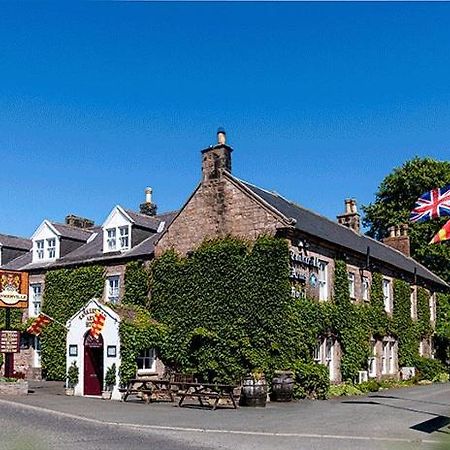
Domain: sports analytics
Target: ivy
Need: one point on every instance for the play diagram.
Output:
(136, 284)
(227, 307)
(138, 332)
(405, 329)
(66, 291)
(351, 324)
(424, 328)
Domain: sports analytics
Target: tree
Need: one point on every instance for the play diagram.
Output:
(395, 199)
(393, 203)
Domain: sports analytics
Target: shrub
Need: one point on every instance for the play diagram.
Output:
(338, 390)
(110, 377)
(311, 380)
(72, 375)
(369, 386)
(428, 368)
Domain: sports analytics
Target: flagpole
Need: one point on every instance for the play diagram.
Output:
(54, 320)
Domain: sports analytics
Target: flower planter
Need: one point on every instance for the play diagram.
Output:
(70, 391)
(106, 395)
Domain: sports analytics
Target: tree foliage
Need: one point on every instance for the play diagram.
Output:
(394, 201)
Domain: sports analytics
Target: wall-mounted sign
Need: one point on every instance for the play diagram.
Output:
(301, 258)
(89, 314)
(13, 289)
(9, 341)
(73, 350)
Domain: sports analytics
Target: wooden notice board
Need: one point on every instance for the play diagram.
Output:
(9, 341)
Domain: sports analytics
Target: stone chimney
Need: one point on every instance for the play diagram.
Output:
(350, 218)
(216, 158)
(148, 207)
(79, 222)
(398, 238)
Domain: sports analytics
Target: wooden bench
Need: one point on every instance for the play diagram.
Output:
(208, 391)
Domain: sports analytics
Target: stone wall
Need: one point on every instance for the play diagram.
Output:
(218, 208)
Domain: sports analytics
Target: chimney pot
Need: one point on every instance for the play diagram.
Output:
(148, 194)
(398, 238)
(221, 136)
(350, 218)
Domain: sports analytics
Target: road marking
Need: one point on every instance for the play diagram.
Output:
(218, 431)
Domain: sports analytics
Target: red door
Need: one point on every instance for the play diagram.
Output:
(93, 365)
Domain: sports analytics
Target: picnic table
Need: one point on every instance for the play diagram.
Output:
(206, 391)
(148, 386)
(203, 392)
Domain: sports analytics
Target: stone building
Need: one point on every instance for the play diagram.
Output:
(223, 204)
(124, 236)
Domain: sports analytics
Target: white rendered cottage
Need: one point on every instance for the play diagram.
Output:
(93, 356)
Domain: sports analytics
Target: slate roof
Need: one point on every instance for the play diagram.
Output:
(19, 262)
(71, 232)
(144, 221)
(316, 225)
(7, 240)
(92, 250)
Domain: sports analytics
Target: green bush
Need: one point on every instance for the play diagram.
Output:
(312, 380)
(429, 369)
(72, 375)
(369, 386)
(344, 389)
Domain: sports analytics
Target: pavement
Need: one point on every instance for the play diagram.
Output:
(416, 417)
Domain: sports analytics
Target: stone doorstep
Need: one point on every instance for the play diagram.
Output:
(14, 388)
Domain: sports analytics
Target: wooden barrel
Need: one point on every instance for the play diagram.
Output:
(254, 392)
(282, 386)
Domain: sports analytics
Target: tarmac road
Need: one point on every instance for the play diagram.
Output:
(408, 418)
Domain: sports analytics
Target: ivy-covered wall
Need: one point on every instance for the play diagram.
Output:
(227, 308)
(66, 291)
(228, 311)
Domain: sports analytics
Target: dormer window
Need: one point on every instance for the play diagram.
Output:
(111, 238)
(118, 238)
(123, 233)
(40, 249)
(51, 248)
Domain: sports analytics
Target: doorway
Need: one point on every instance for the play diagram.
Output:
(93, 365)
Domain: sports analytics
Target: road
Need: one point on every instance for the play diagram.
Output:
(408, 418)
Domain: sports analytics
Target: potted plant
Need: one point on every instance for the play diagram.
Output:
(72, 378)
(110, 381)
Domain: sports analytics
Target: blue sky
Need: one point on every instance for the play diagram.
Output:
(319, 100)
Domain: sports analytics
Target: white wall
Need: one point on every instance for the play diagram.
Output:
(110, 333)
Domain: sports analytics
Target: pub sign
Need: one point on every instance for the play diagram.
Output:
(13, 289)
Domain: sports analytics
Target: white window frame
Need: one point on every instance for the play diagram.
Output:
(324, 353)
(51, 248)
(351, 285)
(36, 299)
(421, 349)
(432, 305)
(323, 280)
(145, 358)
(37, 351)
(387, 295)
(111, 238)
(388, 357)
(413, 299)
(365, 287)
(372, 363)
(124, 237)
(113, 289)
(40, 249)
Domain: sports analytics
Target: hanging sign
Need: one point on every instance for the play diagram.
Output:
(13, 289)
(9, 341)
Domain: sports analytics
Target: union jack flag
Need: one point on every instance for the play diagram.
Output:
(431, 205)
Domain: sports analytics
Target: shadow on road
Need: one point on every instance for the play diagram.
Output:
(428, 426)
